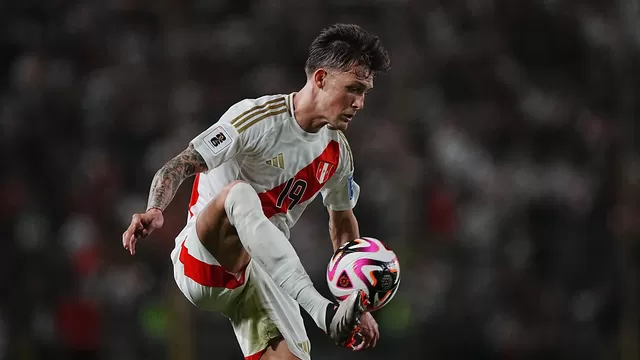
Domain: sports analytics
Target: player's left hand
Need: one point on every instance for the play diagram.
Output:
(369, 331)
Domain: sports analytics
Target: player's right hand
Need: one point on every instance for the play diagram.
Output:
(368, 333)
(141, 226)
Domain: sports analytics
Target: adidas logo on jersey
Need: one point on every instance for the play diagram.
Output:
(277, 161)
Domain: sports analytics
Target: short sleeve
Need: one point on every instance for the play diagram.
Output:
(236, 130)
(341, 192)
(219, 143)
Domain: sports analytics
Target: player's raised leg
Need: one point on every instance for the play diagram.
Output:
(237, 210)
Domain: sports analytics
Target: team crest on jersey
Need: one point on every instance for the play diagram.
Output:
(323, 172)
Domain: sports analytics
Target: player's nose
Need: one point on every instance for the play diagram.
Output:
(358, 102)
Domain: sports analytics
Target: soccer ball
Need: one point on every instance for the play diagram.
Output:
(366, 264)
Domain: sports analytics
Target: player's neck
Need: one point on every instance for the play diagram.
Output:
(304, 112)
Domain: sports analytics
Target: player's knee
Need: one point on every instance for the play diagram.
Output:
(240, 199)
(239, 186)
(224, 193)
(219, 201)
(234, 183)
(236, 200)
(213, 220)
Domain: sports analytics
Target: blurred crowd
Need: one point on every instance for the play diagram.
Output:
(497, 158)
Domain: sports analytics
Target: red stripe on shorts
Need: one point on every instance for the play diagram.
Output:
(207, 274)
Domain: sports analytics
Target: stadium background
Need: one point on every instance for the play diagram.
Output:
(498, 158)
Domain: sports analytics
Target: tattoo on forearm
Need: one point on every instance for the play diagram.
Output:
(167, 180)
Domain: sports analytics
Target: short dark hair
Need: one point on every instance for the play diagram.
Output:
(342, 46)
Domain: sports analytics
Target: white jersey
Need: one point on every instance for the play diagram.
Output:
(260, 142)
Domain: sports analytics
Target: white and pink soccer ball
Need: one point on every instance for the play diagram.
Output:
(366, 264)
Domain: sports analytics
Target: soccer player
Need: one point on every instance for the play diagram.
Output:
(256, 169)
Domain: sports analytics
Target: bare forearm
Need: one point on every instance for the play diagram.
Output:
(164, 186)
(343, 227)
(167, 180)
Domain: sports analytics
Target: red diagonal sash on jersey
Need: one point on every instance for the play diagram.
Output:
(315, 175)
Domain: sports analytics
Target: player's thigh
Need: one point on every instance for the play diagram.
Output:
(218, 235)
(278, 350)
(201, 278)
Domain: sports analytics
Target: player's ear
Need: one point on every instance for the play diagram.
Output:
(320, 77)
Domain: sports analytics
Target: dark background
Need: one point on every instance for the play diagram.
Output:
(498, 158)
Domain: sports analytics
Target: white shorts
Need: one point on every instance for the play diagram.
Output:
(258, 309)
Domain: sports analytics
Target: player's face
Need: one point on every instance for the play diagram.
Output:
(344, 94)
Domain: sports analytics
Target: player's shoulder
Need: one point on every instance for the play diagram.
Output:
(345, 149)
(337, 135)
(258, 114)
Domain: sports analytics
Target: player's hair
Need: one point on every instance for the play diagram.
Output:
(342, 46)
